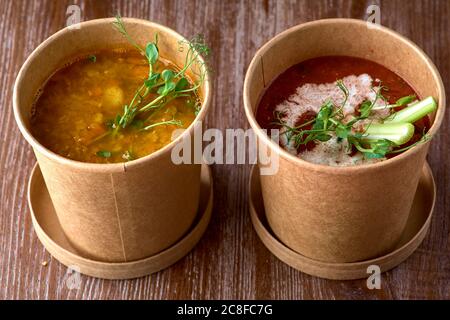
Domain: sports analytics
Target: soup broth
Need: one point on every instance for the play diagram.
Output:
(77, 106)
(295, 97)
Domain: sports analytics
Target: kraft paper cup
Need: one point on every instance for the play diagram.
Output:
(112, 212)
(341, 214)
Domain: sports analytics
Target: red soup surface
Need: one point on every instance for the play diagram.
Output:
(327, 70)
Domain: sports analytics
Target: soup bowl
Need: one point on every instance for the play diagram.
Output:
(341, 214)
(123, 211)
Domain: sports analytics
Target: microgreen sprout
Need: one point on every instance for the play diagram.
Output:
(374, 140)
(399, 103)
(161, 123)
(164, 86)
(169, 84)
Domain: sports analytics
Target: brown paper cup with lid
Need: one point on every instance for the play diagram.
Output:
(113, 212)
(341, 214)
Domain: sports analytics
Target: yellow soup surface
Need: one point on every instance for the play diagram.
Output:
(73, 114)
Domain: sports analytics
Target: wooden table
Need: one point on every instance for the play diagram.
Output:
(229, 262)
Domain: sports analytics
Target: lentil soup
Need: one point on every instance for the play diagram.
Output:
(77, 106)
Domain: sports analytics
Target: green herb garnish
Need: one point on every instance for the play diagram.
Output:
(374, 140)
(399, 103)
(161, 123)
(168, 85)
(92, 58)
(104, 154)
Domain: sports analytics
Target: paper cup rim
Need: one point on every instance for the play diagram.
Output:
(340, 169)
(103, 167)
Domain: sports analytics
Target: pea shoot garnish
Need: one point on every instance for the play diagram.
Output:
(168, 85)
(159, 88)
(373, 140)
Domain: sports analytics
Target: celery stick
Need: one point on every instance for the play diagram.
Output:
(398, 133)
(413, 112)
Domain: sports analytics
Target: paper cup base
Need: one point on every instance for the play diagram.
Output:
(49, 232)
(413, 235)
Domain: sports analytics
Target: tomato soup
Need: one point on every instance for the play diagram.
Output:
(296, 97)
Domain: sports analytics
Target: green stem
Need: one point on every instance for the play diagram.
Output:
(137, 94)
(173, 121)
(398, 133)
(423, 139)
(100, 137)
(414, 112)
(151, 104)
(389, 106)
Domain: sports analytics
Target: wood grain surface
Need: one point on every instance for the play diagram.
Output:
(229, 262)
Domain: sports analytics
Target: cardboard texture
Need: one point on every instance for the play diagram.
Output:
(341, 214)
(112, 212)
(50, 233)
(415, 231)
